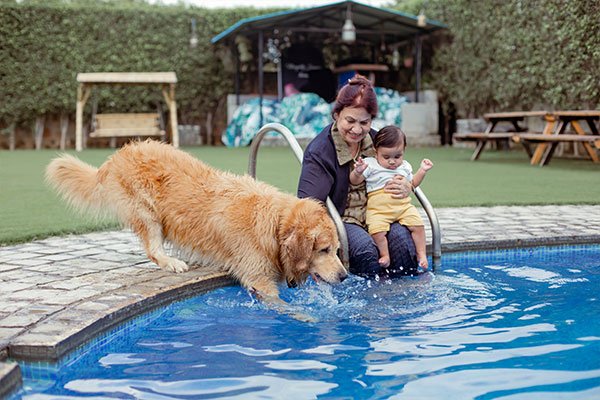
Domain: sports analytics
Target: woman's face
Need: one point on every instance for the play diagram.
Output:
(353, 123)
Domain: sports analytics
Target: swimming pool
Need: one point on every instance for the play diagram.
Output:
(506, 324)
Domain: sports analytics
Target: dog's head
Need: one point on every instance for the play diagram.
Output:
(308, 244)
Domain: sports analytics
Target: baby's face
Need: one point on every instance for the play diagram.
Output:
(390, 157)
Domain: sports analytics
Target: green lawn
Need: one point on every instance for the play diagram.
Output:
(29, 209)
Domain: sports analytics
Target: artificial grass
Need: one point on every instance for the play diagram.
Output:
(29, 209)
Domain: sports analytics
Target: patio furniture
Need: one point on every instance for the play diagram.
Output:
(130, 124)
(501, 138)
(123, 125)
(549, 139)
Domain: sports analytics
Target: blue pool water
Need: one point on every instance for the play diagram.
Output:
(518, 324)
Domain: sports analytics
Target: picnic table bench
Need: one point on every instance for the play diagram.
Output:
(549, 139)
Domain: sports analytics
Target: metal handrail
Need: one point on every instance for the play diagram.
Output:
(289, 137)
(287, 134)
(436, 233)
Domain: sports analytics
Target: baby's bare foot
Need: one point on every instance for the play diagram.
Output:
(384, 261)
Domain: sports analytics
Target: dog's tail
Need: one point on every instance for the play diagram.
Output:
(77, 183)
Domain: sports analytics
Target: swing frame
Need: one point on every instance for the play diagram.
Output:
(126, 124)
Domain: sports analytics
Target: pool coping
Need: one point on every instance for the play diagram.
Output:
(28, 348)
(519, 243)
(153, 288)
(32, 348)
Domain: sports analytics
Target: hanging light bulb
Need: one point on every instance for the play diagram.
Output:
(348, 30)
(396, 58)
(194, 36)
(421, 19)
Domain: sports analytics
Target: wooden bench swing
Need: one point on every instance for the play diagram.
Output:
(113, 125)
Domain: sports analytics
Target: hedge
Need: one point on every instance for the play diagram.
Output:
(514, 54)
(45, 46)
(498, 55)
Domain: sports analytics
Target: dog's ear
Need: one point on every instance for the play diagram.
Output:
(296, 250)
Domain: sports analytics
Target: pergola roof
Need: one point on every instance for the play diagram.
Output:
(372, 24)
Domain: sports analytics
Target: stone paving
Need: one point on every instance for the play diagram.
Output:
(57, 293)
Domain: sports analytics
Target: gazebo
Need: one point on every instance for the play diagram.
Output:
(352, 22)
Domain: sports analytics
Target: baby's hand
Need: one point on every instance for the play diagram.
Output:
(426, 164)
(360, 166)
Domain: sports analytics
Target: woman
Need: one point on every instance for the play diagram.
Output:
(328, 160)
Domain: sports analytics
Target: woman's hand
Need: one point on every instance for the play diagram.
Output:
(399, 187)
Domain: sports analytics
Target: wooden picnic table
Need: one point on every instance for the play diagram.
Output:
(513, 117)
(493, 119)
(554, 133)
(545, 142)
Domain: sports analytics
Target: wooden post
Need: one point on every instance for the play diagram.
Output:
(83, 93)
(173, 117)
(79, 119)
(170, 99)
(11, 136)
(64, 126)
(588, 147)
(541, 148)
(209, 132)
(418, 50)
(39, 131)
(237, 78)
(260, 77)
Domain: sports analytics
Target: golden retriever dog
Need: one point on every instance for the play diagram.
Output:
(258, 234)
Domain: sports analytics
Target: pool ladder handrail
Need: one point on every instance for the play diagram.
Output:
(436, 241)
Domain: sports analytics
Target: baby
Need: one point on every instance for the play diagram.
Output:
(382, 209)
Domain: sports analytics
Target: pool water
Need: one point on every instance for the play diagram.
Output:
(514, 324)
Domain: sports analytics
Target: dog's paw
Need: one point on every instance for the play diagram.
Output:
(304, 317)
(175, 265)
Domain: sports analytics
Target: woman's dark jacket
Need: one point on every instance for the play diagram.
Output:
(321, 174)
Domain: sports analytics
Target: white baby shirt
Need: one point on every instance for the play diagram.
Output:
(376, 176)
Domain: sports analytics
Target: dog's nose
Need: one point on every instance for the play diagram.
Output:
(292, 283)
(342, 276)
